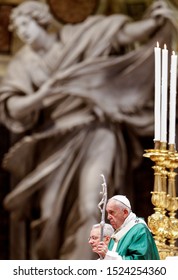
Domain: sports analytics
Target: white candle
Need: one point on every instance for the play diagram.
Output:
(172, 103)
(157, 105)
(164, 84)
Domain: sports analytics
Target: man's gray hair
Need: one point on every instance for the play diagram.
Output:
(107, 230)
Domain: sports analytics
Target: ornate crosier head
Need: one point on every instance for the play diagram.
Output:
(102, 207)
(102, 203)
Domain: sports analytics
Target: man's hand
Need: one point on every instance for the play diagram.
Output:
(102, 249)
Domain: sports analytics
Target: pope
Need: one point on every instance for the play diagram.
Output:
(132, 239)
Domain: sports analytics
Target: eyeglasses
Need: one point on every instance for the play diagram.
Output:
(93, 238)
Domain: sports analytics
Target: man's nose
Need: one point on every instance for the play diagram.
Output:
(90, 241)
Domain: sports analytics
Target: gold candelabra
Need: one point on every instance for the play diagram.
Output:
(163, 222)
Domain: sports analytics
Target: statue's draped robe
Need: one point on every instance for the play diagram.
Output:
(100, 100)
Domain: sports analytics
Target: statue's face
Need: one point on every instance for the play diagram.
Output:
(27, 29)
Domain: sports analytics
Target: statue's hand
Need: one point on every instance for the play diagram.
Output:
(48, 88)
(44, 90)
(160, 11)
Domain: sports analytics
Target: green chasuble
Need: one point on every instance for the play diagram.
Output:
(136, 244)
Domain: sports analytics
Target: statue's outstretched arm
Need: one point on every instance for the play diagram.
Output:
(142, 29)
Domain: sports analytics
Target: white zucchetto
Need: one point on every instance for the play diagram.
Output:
(123, 199)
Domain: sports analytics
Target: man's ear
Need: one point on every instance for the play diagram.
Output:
(107, 238)
(126, 212)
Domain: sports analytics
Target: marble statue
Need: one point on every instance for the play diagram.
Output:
(80, 98)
